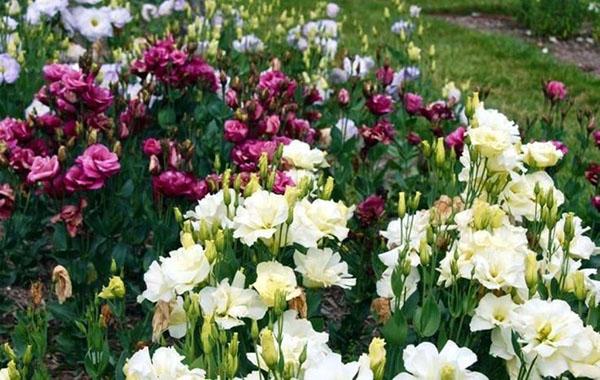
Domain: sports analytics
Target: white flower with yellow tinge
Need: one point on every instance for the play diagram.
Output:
(273, 279)
(259, 217)
(315, 220)
(519, 199)
(302, 156)
(493, 311)
(228, 303)
(541, 154)
(322, 268)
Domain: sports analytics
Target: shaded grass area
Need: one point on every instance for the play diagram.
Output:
(468, 6)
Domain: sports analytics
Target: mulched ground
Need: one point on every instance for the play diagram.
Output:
(582, 51)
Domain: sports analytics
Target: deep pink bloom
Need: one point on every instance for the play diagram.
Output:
(560, 146)
(12, 131)
(246, 154)
(72, 216)
(173, 183)
(271, 124)
(413, 138)
(97, 98)
(595, 202)
(48, 122)
(380, 104)
(282, 181)
(254, 109)
(596, 137)
(151, 146)
(99, 162)
(412, 103)
(383, 131)
(43, 169)
(456, 140)
(371, 209)
(76, 179)
(55, 71)
(592, 173)
(7, 201)
(343, 97)
(385, 75)
(231, 99)
(174, 157)
(312, 96)
(235, 131)
(437, 111)
(21, 159)
(555, 90)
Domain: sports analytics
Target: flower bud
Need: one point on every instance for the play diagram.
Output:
(472, 105)
(254, 333)
(177, 214)
(414, 202)
(401, 204)
(269, 353)
(377, 358)
(187, 240)
(426, 148)
(252, 186)
(440, 152)
(569, 229)
(210, 251)
(206, 336)
(327, 189)
(531, 271)
(424, 252)
(580, 289)
(27, 355)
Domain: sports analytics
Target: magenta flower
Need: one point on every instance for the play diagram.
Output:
(173, 183)
(371, 209)
(412, 103)
(413, 138)
(98, 162)
(380, 104)
(559, 145)
(43, 169)
(437, 111)
(456, 140)
(382, 132)
(592, 173)
(235, 131)
(151, 146)
(555, 90)
(343, 97)
(7, 201)
(385, 75)
(72, 216)
(282, 181)
(595, 202)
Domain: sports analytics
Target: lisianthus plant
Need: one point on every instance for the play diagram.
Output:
(234, 194)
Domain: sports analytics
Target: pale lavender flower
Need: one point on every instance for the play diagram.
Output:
(9, 69)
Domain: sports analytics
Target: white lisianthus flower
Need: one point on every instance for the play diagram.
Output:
(166, 363)
(424, 362)
(411, 229)
(177, 319)
(385, 290)
(332, 10)
(109, 74)
(248, 44)
(119, 16)
(360, 66)
(496, 269)
(319, 219)
(300, 154)
(581, 247)
(518, 197)
(347, 128)
(228, 304)
(297, 334)
(590, 365)
(36, 108)
(40, 8)
(260, 217)
(493, 312)
(149, 11)
(541, 154)
(92, 23)
(272, 278)
(553, 333)
(158, 288)
(185, 268)
(212, 210)
(333, 368)
(322, 268)
(414, 11)
(451, 93)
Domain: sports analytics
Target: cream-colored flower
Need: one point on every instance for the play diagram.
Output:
(552, 332)
(581, 247)
(273, 278)
(228, 304)
(492, 312)
(518, 198)
(212, 210)
(259, 217)
(318, 219)
(541, 154)
(302, 156)
(185, 268)
(322, 268)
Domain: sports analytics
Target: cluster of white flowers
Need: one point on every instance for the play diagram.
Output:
(248, 44)
(321, 34)
(93, 23)
(165, 363)
(166, 8)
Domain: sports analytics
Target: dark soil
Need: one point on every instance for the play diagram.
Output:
(582, 51)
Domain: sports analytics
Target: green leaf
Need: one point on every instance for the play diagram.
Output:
(166, 117)
(396, 329)
(59, 237)
(127, 189)
(428, 318)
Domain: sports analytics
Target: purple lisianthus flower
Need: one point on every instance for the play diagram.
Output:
(9, 69)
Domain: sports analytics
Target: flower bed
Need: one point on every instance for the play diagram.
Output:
(240, 197)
